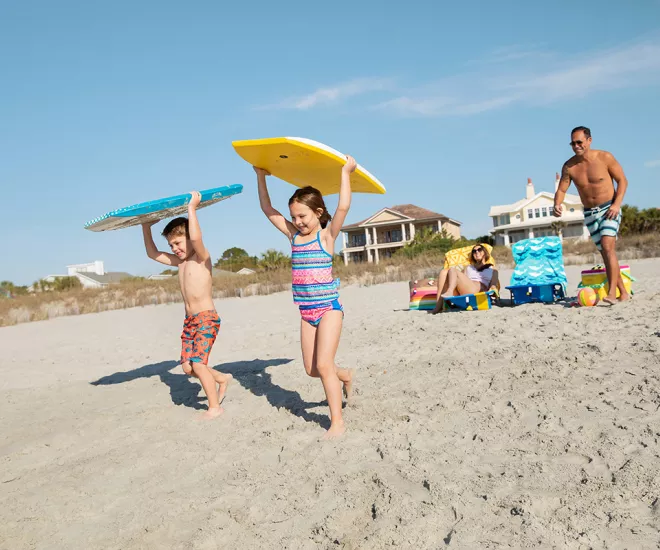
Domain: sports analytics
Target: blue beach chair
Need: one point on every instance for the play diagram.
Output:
(539, 275)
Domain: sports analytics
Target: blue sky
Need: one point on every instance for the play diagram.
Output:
(451, 105)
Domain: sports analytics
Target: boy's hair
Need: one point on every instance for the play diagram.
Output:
(312, 198)
(178, 227)
(587, 131)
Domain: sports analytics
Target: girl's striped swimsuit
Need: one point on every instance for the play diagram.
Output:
(315, 291)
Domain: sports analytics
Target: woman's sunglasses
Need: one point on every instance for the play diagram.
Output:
(477, 250)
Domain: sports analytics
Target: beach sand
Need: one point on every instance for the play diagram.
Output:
(527, 427)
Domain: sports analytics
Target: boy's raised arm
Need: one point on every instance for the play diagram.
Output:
(194, 229)
(344, 197)
(152, 251)
(275, 217)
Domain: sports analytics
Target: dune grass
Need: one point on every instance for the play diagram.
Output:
(140, 292)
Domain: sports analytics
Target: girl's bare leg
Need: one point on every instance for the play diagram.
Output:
(327, 342)
(308, 338)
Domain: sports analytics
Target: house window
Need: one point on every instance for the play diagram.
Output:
(537, 213)
(505, 219)
(572, 210)
(495, 219)
(544, 212)
(358, 240)
(517, 216)
(530, 213)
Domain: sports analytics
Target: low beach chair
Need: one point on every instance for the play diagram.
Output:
(539, 275)
(424, 292)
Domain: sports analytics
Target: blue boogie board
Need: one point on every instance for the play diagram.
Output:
(159, 209)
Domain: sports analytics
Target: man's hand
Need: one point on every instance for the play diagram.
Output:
(557, 210)
(148, 225)
(613, 211)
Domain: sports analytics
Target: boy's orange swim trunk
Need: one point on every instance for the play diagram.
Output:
(199, 333)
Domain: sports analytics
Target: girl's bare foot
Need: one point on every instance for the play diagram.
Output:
(624, 298)
(222, 387)
(336, 430)
(609, 300)
(212, 413)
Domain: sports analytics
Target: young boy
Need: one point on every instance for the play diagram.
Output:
(201, 325)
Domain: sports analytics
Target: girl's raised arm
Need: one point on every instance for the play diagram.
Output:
(275, 217)
(344, 197)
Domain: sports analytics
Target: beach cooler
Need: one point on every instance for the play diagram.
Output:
(539, 275)
(596, 278)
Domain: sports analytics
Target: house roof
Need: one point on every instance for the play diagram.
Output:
(410, 211)
(509, 208)
(107, 278)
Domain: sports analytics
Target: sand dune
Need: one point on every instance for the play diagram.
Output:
(527, 427)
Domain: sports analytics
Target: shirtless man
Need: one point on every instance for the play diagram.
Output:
(593, 173)
(202, 323)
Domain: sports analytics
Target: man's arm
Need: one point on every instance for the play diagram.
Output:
(560, 194)
(194, 229)
(616, 173)
(152, 251)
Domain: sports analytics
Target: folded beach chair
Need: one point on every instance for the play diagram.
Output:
(424, 292)
(539, 275)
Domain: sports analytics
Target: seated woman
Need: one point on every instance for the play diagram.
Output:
(479, 276)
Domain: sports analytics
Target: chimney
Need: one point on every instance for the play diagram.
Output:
(556, 181)
(530, 189)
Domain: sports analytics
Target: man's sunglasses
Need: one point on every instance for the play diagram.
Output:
(576, 142)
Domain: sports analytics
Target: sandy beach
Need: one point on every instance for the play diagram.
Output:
(527, 427)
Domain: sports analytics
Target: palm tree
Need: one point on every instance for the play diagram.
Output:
(273, 259)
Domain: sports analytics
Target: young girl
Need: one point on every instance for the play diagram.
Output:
(312, 233)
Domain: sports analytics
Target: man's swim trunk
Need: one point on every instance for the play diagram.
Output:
(199, 333)
(600, 226)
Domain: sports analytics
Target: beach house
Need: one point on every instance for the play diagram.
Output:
(90, 275)
(532, 217)
(389, 229)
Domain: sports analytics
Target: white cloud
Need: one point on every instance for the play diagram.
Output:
(534, 77)
(332, 94)
(652, 163)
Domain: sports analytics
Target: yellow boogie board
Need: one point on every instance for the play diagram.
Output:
(303, 162)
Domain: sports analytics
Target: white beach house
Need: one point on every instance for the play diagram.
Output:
(532, 217)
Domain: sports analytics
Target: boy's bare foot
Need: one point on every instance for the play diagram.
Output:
(348, 386)
(212, 413)
(336, 430)
(222, 387)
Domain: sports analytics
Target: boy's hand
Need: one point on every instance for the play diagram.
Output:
(350, 165)
(195, 199)
(261, 171)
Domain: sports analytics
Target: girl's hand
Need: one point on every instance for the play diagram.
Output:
(350, 165)
(261, 171)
